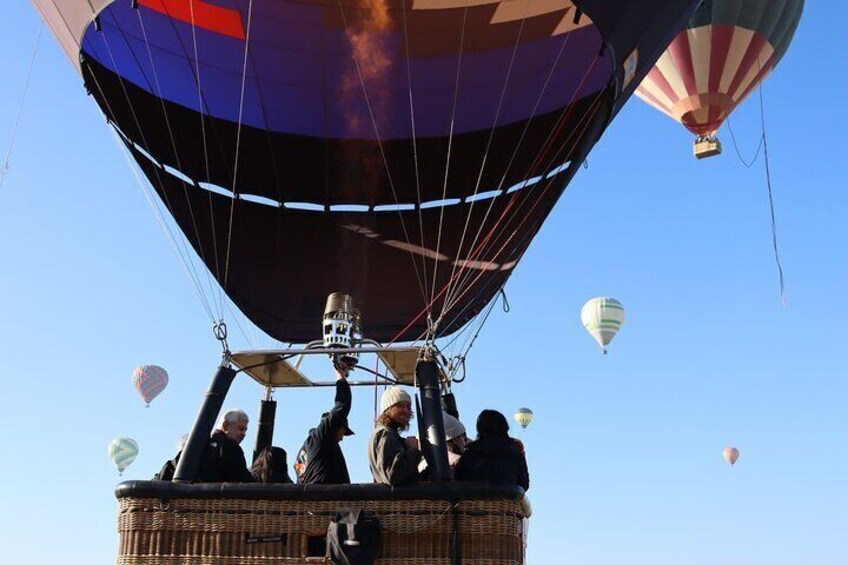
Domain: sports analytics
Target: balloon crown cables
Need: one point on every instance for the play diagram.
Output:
(342, 325)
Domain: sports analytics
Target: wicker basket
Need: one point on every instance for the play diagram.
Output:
(168, 524)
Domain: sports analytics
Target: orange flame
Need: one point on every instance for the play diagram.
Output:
(367, 39)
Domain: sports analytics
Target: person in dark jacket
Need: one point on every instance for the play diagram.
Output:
(223, 460)
(166, 473)
(494, 457)
(271, 467)
(393, 459)
(320, 461)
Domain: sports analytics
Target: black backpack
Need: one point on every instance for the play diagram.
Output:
(353, 537)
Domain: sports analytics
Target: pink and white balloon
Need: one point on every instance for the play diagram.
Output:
(731, 454)
(149, 381)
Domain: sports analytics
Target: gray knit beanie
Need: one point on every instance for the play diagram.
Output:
(392, 396)
(453, 427)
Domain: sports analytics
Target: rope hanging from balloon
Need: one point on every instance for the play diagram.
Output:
(4, 169)
(763, 146)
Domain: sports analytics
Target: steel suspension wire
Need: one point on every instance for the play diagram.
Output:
(201, 107)
(586, 120)
(532, 170)
(195, 277)
(160, 217)
(421, 284)
(449, 152)
(458, 253)
(238, 143)
(415, 138)
(4, 168)
(178, 161)
(500, 219)
(524, 217)
(509, 165)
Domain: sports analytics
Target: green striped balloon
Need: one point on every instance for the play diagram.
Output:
(602, 317)
(122, 452)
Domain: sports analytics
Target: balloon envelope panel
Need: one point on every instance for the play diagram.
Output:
(430, 139)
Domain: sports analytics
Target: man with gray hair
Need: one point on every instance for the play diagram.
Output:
(223, 461)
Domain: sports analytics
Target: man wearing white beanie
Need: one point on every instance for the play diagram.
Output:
(393, 459)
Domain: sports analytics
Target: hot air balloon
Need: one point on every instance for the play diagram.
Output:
(725, 52)
(122, 452)
(149, 381)
(523, 416)
(416, 145)
(602, 317)
(404, 153)
(730, 454)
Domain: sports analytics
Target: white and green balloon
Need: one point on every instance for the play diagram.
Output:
(602, 317)
(122, 452)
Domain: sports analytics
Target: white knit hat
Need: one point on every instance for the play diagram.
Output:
(392, 396)
(453, 427)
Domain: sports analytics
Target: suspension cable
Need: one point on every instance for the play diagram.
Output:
(383, 154)
(511, 161)
(190, 264)
(4, 169)
(212, 289)
(238, 143)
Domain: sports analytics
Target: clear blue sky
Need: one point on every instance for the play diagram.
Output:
(625, 450)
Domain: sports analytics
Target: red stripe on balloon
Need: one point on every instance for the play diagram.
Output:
(205, 15)
(766, 69)
(645, 94)
(681, 53)
(658, 78)
(749, 60)
(721, 37)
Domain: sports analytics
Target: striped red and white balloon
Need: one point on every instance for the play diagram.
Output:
(122, 451)
(149, 381)
(726, 50)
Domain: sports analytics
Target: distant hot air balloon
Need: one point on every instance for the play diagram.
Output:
(725, 52)
(602, 317)
(731, 454)
(122, 452)
(149, 381)
(524, 416)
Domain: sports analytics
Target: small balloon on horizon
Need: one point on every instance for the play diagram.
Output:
(523, 416)
(730, 454)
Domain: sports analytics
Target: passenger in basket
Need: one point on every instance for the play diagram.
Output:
(223, 461)
(393, 459)
(166, 473)
(271, 467)
(455, 438)
(494, 457)
(321, 461)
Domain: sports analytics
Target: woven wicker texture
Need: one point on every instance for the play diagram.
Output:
(248, 532)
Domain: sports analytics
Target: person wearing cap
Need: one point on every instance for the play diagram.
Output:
(393, 459)
(320, 461)
(455, 439)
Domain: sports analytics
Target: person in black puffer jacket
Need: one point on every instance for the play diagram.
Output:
(494, 457)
